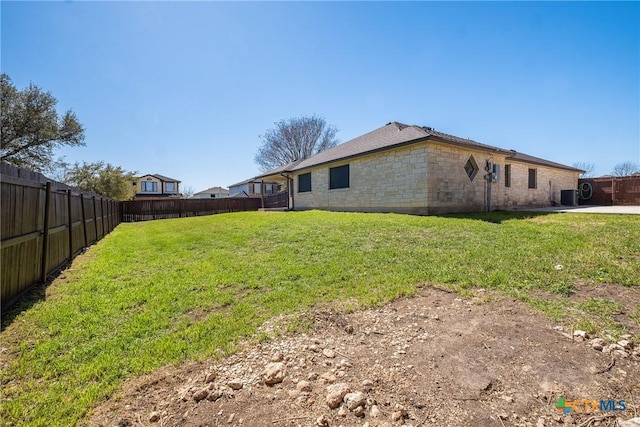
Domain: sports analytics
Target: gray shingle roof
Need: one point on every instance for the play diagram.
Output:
(162, 177)
(396, 134)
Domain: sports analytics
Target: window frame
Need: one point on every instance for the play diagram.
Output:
(173, 187)
(507, 176)
(533, 173)
(304, 189)
(337, 177)
(144, 189)
(474, 168)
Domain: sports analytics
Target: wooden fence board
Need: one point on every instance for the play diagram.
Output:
(145, 210)
(35, 243)
(609, 191)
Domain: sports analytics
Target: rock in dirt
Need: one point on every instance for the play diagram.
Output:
(273, 373)
(335, 393)
(210, 377)
(201, 394)
(353, 400)
(154, 416)
(235, 384)
(322, 421)
(374, 411)
(303, 385)
(327, 352)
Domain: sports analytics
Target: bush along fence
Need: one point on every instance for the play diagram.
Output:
(144, 210)
(44, 225)
(606, 191)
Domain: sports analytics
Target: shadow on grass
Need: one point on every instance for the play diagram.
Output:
(26, 299)
(498, 217)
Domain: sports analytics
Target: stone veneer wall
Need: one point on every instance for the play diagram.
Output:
(389, 181)
(550, 181)
(429, 178)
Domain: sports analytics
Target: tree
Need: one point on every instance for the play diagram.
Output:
(31, 127)
(625, 169)
(187, 191)
(588, 169)
(106, 180)
(297, 138)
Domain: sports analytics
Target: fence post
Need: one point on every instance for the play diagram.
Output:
(95, 217)
(102, 215)
(84, 220)
(45, 231)
(70, 225)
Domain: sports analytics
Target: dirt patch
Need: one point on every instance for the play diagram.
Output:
(432, 360)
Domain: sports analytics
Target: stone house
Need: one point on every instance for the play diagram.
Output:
(413, 169)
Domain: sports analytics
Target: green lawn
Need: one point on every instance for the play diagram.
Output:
(162, 292)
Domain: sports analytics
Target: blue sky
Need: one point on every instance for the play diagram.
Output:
(184, 89)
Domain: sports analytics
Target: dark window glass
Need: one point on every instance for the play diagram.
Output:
(507, 175)
(304, 183)
(471, 168)
(532, 178)
(339, 177)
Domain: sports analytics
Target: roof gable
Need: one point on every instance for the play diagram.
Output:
(160, 177)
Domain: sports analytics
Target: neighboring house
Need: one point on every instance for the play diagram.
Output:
(414, 169)
(253, 188)
(212, 193)
(156, 186)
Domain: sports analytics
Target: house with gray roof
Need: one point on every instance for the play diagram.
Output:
(212, 193)
(254, 187)
(416, 169)
(156, 186)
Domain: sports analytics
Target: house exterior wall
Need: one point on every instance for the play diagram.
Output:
(210, 195)
(451, 190)
(149, 179)
(160, 185)
(389, 181)
(430, 178)
(549, 183)
(235, 189)
(449, 187)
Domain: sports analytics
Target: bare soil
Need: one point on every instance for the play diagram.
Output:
(435, 359)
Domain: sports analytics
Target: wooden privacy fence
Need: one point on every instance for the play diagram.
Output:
(278, 200)
(144, 210)
(43, 226)
(608, 191)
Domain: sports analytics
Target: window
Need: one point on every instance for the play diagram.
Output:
(507, 175)
(471, 168)
(304, 183)
(339, 177)
(170, 186)
(532, 178)
(257, 188)
(268, 189)
(149, 186)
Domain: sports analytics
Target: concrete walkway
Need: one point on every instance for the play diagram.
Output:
(589, 209)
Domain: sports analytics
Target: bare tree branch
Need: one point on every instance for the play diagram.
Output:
(295, 139)
(625, 169)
